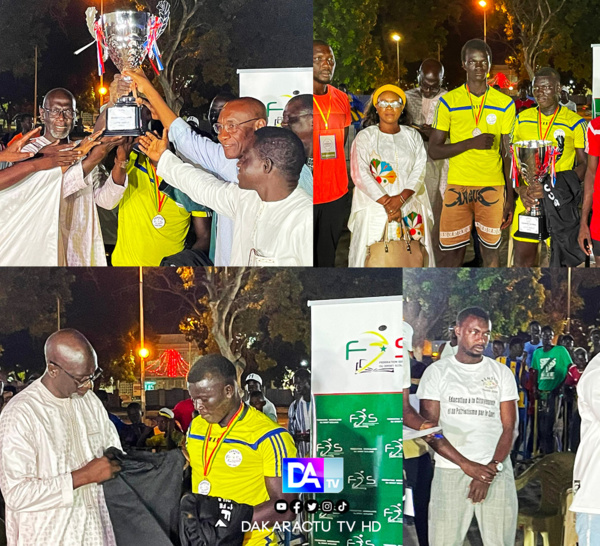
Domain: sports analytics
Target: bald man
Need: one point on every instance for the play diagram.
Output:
(298, 118)
(50, 217)
(238, 121)
(52, 437)
(420, 107)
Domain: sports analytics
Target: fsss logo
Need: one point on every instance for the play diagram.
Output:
(313, 475)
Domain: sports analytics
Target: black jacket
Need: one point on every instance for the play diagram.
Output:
(143, 500)
(561, 205)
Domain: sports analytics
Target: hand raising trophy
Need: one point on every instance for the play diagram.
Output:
(533, 159)
(127, 37)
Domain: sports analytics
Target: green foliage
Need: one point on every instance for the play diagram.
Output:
(348, 27)
(255, 315)
(28, 299)
(434, 297)
(23, 26)
(549, 32)
(359, 31)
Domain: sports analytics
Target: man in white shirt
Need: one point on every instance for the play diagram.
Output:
(273, 218)
(50, 217)
(473, 398)
(586, 474)
(52, 438)
(253, 384)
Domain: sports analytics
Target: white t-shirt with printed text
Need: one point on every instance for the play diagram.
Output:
(470, 397)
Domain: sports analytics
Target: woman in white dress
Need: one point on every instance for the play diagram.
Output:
(388, 169)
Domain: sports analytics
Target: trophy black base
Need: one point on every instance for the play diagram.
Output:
(532, 227)
(124, 119)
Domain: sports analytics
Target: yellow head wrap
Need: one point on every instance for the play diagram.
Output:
(393, 89)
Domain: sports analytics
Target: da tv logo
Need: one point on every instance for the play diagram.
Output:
(313, 475)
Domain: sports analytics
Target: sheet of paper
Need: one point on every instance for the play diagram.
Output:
(411, 433)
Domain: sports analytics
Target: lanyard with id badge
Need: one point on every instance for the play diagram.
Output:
(326, 142)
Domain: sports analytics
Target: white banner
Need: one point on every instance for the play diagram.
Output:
(275, 87)
(356, 345)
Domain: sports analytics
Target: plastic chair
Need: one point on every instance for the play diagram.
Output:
(554, 472)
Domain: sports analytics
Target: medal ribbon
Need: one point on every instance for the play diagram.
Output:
(209, 459)
(325, 119)
(160, 197)
(549, 126)
(477, 116)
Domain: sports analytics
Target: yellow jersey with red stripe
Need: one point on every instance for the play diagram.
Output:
(253, 450)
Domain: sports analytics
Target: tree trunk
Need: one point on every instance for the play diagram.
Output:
(171, 98)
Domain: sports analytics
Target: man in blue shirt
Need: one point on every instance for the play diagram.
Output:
(535, 332)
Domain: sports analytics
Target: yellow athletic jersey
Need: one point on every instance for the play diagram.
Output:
(455, 115)
(253, 450)
(139, 242)
(567, 124)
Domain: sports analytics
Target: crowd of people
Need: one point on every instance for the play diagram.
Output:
(220, 443)
(434, 169)
(501, 403)
(238, 196)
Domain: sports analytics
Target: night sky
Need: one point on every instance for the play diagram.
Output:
(273, 36)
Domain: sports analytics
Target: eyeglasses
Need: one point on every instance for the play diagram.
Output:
(386, 104)
(290, 120)
(80, 384)
(67, 113)
(231, 127)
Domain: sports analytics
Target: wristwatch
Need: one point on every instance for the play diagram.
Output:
(499, 466)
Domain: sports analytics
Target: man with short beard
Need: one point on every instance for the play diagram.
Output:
(567, 131)
(421, 103)
(52, 436)
(50, 217)
(472, 398)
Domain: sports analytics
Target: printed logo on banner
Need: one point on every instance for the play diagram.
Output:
(361, 419)
(393, 513)
(329, 449)
(313, 475)
(374, 353)
(358, 480)
(359, 541)
(394, 449)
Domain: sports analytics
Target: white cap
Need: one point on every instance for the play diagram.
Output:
(166, 412)
(254, 377)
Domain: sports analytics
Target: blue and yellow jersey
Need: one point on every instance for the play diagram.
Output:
(568, 132)
(455, 115)
(253, 450)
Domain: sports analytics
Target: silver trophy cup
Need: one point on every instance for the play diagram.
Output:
(126, 37)
(533, 159)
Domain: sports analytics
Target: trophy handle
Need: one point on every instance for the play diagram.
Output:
(164, 10)
(90, 17)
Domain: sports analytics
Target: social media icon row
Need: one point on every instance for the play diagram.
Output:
(312, 506)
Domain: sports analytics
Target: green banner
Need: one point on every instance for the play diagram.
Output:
(366, 431)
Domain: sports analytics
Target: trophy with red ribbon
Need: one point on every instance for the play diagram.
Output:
(127, 37)
(533, 160)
